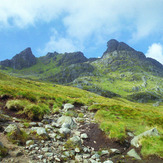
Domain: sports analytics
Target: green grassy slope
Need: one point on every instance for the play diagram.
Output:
(116, 116)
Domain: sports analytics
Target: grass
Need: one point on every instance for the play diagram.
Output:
(155, 142)
(116, 116)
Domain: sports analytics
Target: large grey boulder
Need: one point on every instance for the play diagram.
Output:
(12, 128)
(40, 131)
(68, 107)
(136, 139)
(67, 121)
(133, 153)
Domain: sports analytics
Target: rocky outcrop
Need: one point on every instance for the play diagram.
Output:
(71, 58)
(70, 73)
(114, 45)
(22, 60)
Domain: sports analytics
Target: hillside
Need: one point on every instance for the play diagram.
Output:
(44, 103)
(120, 72)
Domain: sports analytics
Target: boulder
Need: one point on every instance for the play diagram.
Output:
(76, 140)
(136, 139)
(84, 136)
(66, 120)
(12, 128)
(64, 131)
(68, 107)
(40, 131)
(133, 153)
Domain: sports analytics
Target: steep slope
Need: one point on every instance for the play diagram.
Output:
(117, 118)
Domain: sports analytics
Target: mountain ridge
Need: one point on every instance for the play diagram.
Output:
(119, 72)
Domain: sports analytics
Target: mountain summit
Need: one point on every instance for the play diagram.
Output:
(113, 45)
(22, 60)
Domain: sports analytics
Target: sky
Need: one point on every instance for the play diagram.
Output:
(80, 25)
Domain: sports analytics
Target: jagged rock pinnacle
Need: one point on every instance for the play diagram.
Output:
(113, 45)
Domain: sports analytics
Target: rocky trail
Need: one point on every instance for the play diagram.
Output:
(71, 135)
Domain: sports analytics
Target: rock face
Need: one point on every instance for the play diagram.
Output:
(113, 45)
(22, 60)
(72, 58)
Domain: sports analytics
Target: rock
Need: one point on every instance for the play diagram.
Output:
(130, 134)
(48, 127)
(64, 131)
(48, 154)
(85, 149)
(52, 135)
(46, 149)
(67, 120)
(54, 124)
(156, 104)
(78, 158)
(85, 156)
(66, 153)
(32, 124)
(40, 131)
(76, 140)
(95, 156)
(77, 150)
(65, 125)
(115, 151)
(84, 136)
(132, 153)
(104, 152)
(29, 142)
(108, 161)
(40, 157)
(40, 124)
(68, 107)
(12, 128)
(92, 160)
(136, 139)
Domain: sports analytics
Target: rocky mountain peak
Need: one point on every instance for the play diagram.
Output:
(22, 60)
(113, 45)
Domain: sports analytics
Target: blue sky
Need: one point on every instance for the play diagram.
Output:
(80, 25)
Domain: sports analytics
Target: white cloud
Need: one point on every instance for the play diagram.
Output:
(83, 19)
(155, 51)
(60, 44)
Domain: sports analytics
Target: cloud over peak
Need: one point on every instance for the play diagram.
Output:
(155, 51)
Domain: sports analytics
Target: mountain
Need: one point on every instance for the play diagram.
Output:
(24, 59)
(120, 72)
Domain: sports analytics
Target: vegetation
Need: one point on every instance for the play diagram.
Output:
(19, 138)
(3, 151)
(116, 116)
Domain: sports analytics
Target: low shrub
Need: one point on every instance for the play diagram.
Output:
(16, 104)
(34, 111)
